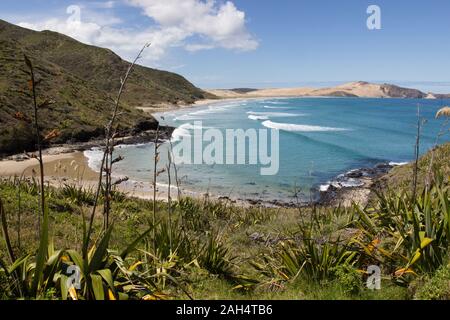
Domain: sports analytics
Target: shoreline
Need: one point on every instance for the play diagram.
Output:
(72, 168)
(67, 164)
(175, 107)
(199, 103)
(354, 186)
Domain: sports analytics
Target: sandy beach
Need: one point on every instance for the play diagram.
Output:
(73, 169)
(19, 168)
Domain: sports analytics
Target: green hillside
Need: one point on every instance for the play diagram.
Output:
(81, 80)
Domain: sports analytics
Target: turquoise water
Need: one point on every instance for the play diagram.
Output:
(320, 138)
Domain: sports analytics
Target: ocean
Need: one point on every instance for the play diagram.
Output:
(319, 139)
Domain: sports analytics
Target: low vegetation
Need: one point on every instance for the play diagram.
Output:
(211, 250)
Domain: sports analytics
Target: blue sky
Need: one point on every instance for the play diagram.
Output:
(262, 43)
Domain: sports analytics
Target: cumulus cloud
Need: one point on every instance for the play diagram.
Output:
(103, 5)
(198, 47)
(222, 25)
(177, 23)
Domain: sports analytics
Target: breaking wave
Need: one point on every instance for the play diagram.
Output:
(275, 114)
(253, 117)
(299, 127)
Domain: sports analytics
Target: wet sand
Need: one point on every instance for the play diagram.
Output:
(73, 169)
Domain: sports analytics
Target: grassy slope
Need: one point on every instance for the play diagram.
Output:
(402, 177)
(234, 224)
(81, 79)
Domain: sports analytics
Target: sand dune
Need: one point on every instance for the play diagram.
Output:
(357, 89)
(353, 89)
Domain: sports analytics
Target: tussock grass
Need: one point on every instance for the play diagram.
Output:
(214, 255)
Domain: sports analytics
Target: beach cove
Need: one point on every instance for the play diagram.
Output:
(319, 149)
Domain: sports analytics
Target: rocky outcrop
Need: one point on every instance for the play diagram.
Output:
(393, 91)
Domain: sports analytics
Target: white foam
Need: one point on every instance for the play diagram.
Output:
(126, 146)
(277, 102)
(397, 164)
(351, 183)
(299, 127)
(275, 114)
(166, 186)
(95, 157)
(181, 131)
(253, 117)
(205, 111)
(271, 107)
(214, 109)
(324, 187)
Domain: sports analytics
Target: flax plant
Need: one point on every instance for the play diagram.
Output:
(109, 138)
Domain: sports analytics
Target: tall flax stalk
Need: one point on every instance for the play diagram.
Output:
(169, 198)
(108, 138)
(5, 232)
(108, 182)
(175, 170)
(155, 176)
(32, 84)
(416, 154)
(19, 212)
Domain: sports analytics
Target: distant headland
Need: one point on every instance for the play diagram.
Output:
(358, 89)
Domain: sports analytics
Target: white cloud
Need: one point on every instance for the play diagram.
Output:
(177, 23)
(103, 5)
(223, 25)
(198, 46)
